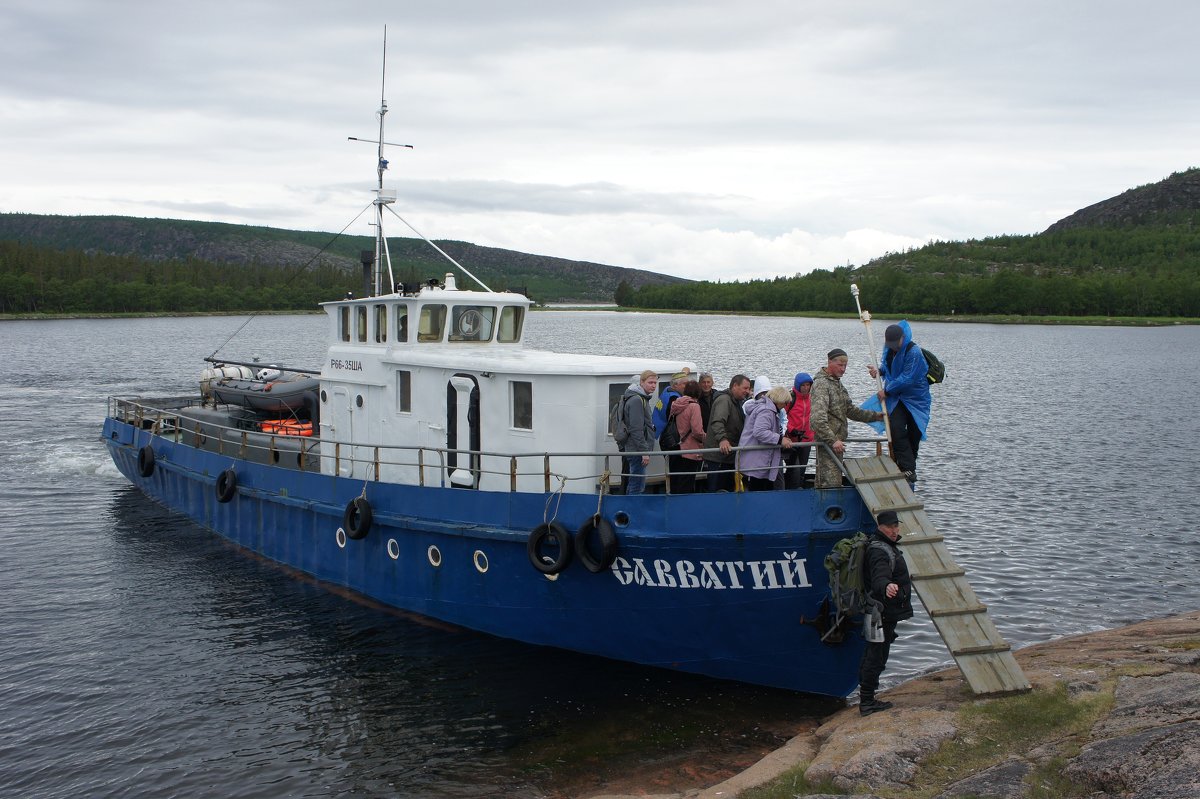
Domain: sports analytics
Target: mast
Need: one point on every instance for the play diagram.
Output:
(382, 258)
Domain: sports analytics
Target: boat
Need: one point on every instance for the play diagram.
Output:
(450, 471)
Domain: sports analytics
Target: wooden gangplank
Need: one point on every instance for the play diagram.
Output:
(985, 659)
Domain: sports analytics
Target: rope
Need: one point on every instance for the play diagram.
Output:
(562, 485)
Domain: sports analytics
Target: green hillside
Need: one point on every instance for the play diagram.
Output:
(1134, 255)
(82, 264)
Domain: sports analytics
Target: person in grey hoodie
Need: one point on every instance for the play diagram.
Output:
(635, 410)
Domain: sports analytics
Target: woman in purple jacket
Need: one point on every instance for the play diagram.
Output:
(761, 466)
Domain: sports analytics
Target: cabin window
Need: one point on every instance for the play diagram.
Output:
(345, 322)
(472, 323)
(522, 404)
(360, 321)
(511, 318)
(404, 391)
(615, 392)
(433, 321)
(381, 326)
(402, 323)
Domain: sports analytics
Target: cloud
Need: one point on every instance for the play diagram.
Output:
(696, 137)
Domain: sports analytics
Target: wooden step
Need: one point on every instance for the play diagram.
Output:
(983, 656)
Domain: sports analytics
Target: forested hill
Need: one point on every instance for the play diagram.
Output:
(57, 264)
(1134, 255)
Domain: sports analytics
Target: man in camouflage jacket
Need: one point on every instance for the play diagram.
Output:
(831, 406)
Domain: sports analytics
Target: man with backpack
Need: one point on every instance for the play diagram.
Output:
(905, 394)
(888, 587)
(634, 431)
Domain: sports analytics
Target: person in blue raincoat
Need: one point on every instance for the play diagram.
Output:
(906, 392)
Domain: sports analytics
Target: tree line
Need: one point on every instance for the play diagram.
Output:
(43, 280)
(1142, 271)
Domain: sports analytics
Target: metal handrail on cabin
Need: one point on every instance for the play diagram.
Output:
(163, 420)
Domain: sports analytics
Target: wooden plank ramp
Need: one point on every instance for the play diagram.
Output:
(985, 659)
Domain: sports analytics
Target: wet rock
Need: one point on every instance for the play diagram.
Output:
(1156, 763)
(1141, 702)
(1003, 781)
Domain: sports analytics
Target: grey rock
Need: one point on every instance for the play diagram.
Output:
(1158, 763)
(1191, 658)
(1142, 702)
(1003, 781)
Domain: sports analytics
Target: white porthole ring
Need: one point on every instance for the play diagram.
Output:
(340, 537)
(481, 561)
(435, 556)
(393, 549)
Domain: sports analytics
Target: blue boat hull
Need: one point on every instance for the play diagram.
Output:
(715, 584)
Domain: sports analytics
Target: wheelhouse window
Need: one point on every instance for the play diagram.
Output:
(511, 318)
(381, 326)
(472, 323)
(615, 392)
(404, 391)
(345, 322)
(360, 322)
(402, 323)
(433, 322)
(522, 404)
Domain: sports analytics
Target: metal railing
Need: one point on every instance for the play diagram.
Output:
(413, 463)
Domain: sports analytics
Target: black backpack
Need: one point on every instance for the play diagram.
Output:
(669, 440)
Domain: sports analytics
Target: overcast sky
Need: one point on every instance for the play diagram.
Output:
(709, 140)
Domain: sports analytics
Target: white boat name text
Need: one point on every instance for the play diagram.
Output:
(760, 575)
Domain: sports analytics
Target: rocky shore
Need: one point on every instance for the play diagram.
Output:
(1112, 714)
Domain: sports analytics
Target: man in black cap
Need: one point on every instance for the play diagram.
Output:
(905, 395)
(831, 407)
(887, 584)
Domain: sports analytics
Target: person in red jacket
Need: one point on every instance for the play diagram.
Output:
(798, 430)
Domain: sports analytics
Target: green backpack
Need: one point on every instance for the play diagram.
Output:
(936, 370)
(846, 564)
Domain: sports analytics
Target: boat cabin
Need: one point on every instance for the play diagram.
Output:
(437, 388)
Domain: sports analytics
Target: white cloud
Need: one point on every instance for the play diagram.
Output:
(696, 138)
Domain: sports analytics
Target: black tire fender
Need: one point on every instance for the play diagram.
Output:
(552, 533)
(146, 461)
(601, 530)
(226, 485)
(356, 520)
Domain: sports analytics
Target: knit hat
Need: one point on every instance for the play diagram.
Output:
(761, 383)
(887, 517)
(801, 379)
(836, 352)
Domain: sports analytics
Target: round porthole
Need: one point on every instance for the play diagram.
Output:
(435, 556)
(341, 538)
(393, 549)
(621, 519)
(481, 562)
(324, 396)
(358, 400)
(834, 514)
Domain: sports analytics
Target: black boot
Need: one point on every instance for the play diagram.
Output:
(868, 704)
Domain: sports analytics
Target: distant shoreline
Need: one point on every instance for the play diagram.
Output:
(998, 319)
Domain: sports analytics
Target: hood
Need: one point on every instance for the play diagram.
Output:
(801, 379)
(680, 403)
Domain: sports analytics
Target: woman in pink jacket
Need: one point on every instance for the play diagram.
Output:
(685, 410)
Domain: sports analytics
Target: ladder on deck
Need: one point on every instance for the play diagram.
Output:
(985, 659)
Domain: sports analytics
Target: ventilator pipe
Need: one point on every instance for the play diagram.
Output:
(865, 316)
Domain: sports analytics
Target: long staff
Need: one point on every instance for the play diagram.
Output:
(865, 316)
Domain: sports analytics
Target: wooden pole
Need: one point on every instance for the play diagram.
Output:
(865, 316)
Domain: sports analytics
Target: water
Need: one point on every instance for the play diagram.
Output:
(141, 655)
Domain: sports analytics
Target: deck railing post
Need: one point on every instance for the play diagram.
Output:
(546, 471)
(377, 464)
(512, 474)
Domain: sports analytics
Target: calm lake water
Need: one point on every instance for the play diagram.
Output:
(141, 656)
